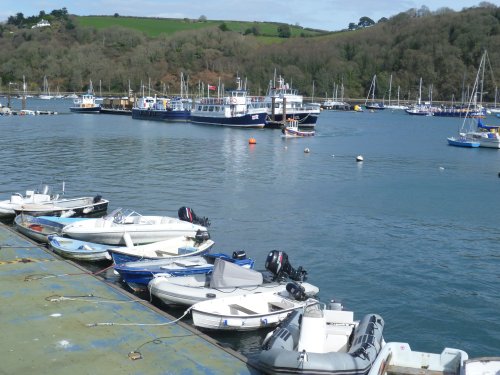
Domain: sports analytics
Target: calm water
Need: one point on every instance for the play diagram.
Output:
(412, 233)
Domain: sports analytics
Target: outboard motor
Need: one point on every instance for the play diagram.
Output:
(187, 214)
(296, 291)
(201, 236)
(239, 254)
(97, 198)
(277, 263)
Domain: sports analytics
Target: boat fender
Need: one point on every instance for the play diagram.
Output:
(210, 295)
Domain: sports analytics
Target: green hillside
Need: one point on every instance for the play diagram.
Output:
(155, 26)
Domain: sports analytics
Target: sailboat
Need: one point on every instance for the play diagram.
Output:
(394, 106)
(473, 132)
(421, 109)
(46, 91)
(372, 105)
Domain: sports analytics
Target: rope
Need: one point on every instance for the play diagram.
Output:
(139, 324)
(50, 275)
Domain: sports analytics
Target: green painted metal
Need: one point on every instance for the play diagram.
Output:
(48, 309)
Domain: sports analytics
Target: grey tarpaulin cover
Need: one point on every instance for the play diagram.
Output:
(227, 275)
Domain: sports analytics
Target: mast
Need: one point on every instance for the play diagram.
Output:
(390, 89)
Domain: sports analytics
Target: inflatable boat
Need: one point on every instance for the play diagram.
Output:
(322, 341)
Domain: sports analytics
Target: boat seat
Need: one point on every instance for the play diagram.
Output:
(242, 309)
(278, 306)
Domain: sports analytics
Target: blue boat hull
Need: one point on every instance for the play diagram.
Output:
(462, 143)
(160, 115)
(256, 120)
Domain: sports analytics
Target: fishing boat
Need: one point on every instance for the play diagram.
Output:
(66, 207)
(398, 358)
(127, 227)
(322, 340)
(138, 274)
(233, 110)
(228, 279)
(291, 130)
(78, 250)
(176, 247)
(249, 311)
(283, 102)
(86, 103)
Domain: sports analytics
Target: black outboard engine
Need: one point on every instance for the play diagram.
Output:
(296, 291)
(239, 254)
(97, 198)
(187, 214)
(201, 236)
(277, 263)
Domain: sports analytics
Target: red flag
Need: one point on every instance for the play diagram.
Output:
(210, 87)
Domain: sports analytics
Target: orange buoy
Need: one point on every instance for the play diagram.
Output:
(252, 141)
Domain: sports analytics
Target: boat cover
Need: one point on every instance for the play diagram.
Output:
(229, 275)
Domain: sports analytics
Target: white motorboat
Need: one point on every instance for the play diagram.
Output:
(17, 200)
(249, 311)
(66, 207)
(322, 341)
(228, 279)
(127, 227)
(175, 247)
(397, 357)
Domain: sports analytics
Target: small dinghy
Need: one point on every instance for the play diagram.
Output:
(176, 247)
(122, 225)
(322, 341)
(398, 358)
(139, 273)
(37, 228)
(249, 311)
(78, 250)
(228, 279)
(17, 200)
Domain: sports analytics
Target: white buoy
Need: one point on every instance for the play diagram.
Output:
(306, 150)
(441, 168)
(359, 158)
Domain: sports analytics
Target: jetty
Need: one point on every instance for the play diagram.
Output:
(60, 318)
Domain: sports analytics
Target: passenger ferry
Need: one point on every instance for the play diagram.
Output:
(234, 110)
(162, 109)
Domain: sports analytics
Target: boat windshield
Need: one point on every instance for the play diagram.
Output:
(120, 215)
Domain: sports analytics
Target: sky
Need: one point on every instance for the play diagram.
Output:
(318, 14)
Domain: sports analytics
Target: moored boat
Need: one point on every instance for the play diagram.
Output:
(16, 200)
(322, 341)
(228, 279)
(249, 311)
(398, 358)
(462, 141)
(67, 207)
(86, 103)
(162, 109)
(78, 250)
(291, 130)
(176, 247)
(123, 226)
(138, 274)
(37, 228)
(233, 110)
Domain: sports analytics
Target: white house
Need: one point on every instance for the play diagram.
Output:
(42, 23)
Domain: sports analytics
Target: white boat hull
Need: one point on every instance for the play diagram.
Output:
(246, 312)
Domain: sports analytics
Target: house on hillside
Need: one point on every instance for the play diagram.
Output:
(41, 23)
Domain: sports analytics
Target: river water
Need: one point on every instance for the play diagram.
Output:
(411, 233)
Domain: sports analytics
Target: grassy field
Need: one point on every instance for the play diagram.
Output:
(156, 26)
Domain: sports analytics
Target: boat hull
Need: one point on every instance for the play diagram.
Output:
(73, 207)
(256, 120)
(452, 141)
(305, 119)
(95, 109)
(78, 250)
(160, 115)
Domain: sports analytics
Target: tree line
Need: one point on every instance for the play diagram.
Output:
(443, 48)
